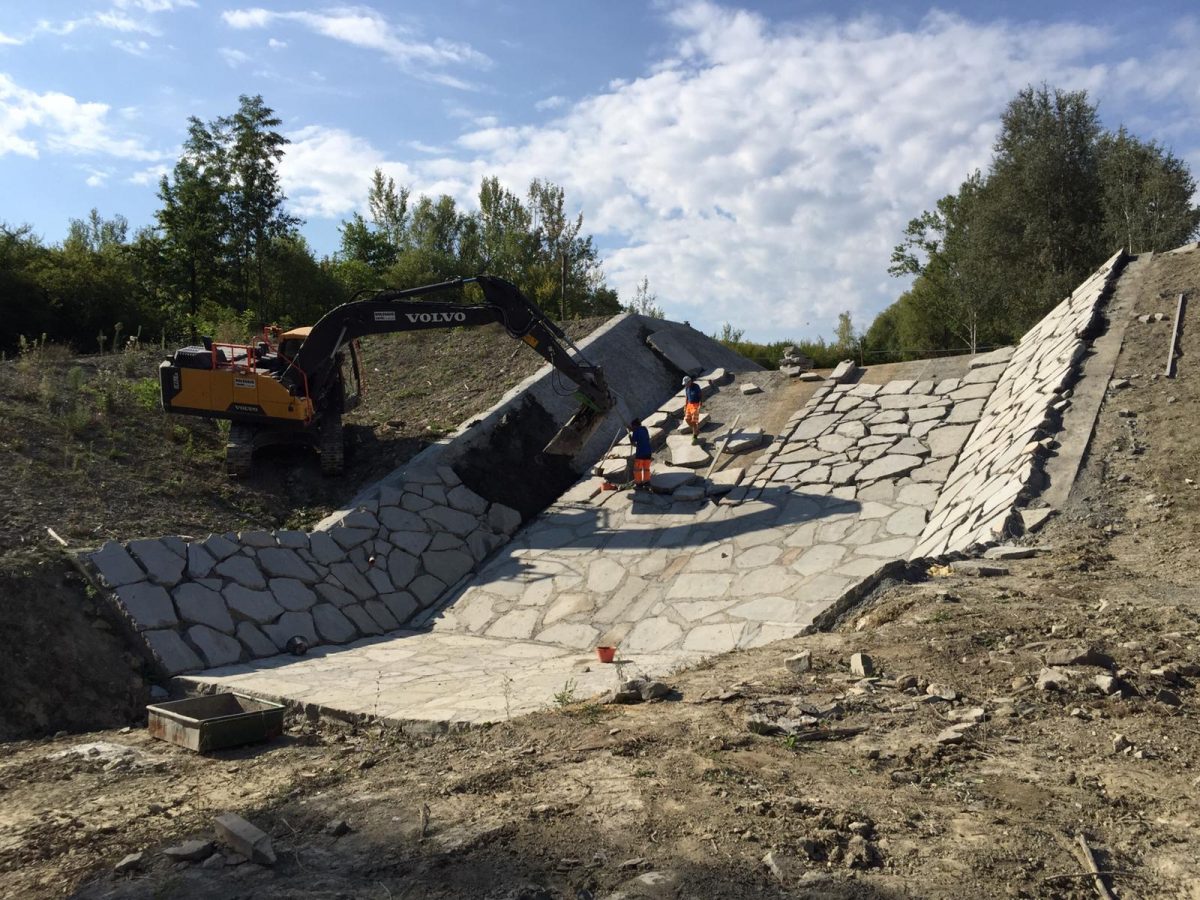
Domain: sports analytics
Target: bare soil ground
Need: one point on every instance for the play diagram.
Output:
(686, 797)
(87, 451)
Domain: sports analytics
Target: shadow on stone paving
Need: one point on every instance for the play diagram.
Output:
(601, 529)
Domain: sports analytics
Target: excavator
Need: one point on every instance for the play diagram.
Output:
(297, 384)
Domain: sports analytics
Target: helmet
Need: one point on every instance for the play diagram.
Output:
(687, 379)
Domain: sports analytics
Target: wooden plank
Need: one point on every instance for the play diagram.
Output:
(1180, 305)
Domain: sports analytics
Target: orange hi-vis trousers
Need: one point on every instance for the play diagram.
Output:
(691, 414)
(641, 471)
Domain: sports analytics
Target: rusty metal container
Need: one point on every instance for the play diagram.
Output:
(215, 721)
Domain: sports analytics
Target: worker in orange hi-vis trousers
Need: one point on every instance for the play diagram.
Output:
(692, 396)
(639, 435)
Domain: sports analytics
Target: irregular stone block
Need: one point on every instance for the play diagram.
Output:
(279, 562)
(435, 494)
(447, 565)
(203, 607)
(324, 548)
(256, 539)
(749, 388)
(256, 643)
(395, 519)
(217, 649)
(149, 605)
(293, 540)
(199, 561)
(352, 580)
(258, 606)
(378, 578)
(465, 499)
(449, 476)
(116, 566)
(335, 595)
(414, 502)
(842, 371)
(381, 614)
(685, 453)
(349, 538)
(250, 842)
(362, 619)
(402, 567)
(452, 520)
(427, 589)
(172, 652)
(891, 465)
(292, 594)
(161, 564)
(291, 624)
(331, 625)
(502, 519)
(220, 546)
(413, 542)
(481, 543)
(243, 570)
(674, 351)
(401, 604)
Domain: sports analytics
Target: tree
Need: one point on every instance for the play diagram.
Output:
(1147, 195)
(255, 197)
(993, 258)
(644, 304)
(195, 218)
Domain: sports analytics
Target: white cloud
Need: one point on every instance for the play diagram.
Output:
(233, 58)
(555, 102)
(12, 41)
(31, 122)
(276, 44)
(133, 48)
(761, 174)
(327, 171)
(369, 29)
(96, 177)
(149, 176)
(154, 6)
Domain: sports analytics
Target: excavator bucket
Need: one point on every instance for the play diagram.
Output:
(571, 437)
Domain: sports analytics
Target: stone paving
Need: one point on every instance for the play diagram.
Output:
(863, 477)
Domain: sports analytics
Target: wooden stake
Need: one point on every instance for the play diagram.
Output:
(1094, 870)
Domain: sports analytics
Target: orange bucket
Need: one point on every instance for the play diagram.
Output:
(606, 654)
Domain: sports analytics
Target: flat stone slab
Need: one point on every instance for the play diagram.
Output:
(668, 479)
(676, 353)
(687, 454)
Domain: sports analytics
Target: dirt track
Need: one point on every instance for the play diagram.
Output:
(585, 800)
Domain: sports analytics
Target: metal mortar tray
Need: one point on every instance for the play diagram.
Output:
(215, 721)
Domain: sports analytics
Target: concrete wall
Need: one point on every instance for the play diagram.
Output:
(401, 544)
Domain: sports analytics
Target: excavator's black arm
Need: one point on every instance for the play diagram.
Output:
(388, 311)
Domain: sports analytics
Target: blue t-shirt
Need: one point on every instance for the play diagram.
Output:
(693, 393)
(641, 442)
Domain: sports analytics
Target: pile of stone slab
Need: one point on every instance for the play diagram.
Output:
(793, 362)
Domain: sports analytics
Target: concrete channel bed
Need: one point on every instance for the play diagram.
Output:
(864, 478)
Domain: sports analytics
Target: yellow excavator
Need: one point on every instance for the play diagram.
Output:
(297, 384)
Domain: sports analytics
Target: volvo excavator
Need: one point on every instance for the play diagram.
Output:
(297, 384)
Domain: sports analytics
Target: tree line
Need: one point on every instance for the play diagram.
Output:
(1060, 196)
(225, 255)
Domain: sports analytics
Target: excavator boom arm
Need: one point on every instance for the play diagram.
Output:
(398, 310)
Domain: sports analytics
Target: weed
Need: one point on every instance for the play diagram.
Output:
(566, 696)
(75, 379)
(643, 773)
(507, 688)
(145, 393)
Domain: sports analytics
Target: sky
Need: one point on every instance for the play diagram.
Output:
(756, 162)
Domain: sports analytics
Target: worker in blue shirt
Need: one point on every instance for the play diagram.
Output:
(639, 436)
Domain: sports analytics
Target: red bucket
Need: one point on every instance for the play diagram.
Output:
(606, 654)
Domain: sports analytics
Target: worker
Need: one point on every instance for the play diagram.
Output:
(691, 411)
(639, 436)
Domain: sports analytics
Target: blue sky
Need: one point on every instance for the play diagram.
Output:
(757, 162)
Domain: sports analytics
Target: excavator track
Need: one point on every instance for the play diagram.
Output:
(239, 450)
(332, 446)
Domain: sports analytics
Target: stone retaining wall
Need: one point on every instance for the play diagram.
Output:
(1001, 463)
(400, 546)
